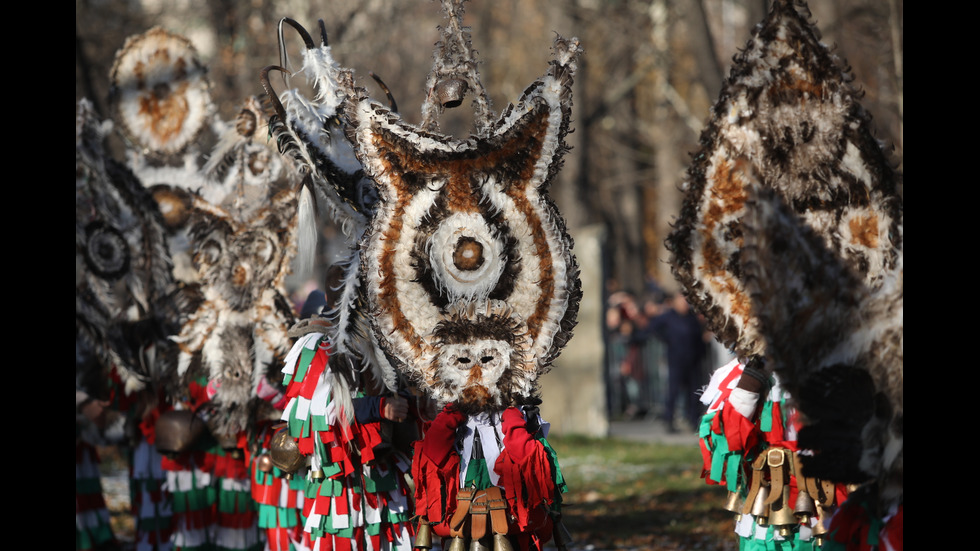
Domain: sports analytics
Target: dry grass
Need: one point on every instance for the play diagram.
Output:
(628, 495)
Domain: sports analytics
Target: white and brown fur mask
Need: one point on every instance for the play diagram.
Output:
(466, 267)
(790, 243)
(837, 344)
(787, 119)
(234, 216)
(234, 320)
(160, 92)
(234, 315)
(122, 262)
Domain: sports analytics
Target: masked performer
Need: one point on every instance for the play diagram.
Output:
(468, 274)
(788, 123)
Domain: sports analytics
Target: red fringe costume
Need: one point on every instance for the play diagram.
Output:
(212, 505)
(525, 466)
(361, 501)
(731, 443)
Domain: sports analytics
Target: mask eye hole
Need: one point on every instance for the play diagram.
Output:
(210, 252)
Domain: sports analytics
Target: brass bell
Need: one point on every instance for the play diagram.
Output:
(805, 507)
(228, 442)
(501, 543)
(177, 430)
(457, 544)
(423, 538)
(450, 92)
(781, 516)
(264, 463)
(317, 475)
(285, 452)
(734, 504)
(819, 529)
(479, 544)
(759, 508)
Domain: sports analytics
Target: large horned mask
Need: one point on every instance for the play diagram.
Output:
(467, 267)
(461, 276)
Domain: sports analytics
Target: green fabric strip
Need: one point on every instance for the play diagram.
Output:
(704, 429)
(765, 418)
(331, 470)
(319, 422)
(477, 475)
(267, 516)
(719, 454)
(286, 518)
(303, 365)
(295, 423)
(556, 469)
(733, 471)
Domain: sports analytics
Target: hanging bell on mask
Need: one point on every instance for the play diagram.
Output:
(501, 543)
(759, 508)
(457, 544)
(423, 537)
(450, 92)
(781, 516)
(479, 544)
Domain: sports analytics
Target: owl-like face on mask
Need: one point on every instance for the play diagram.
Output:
(481, 360)
(160, 91)
(466, 266)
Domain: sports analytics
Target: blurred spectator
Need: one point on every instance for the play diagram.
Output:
(624, 321)
(679, 328)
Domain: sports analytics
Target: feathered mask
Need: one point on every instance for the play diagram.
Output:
(788, 119)
(233, 216)
(790, 242)
(464, 270)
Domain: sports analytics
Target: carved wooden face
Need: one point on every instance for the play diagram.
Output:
(464, 236)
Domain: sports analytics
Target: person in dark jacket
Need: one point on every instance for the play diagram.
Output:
(683, 334)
